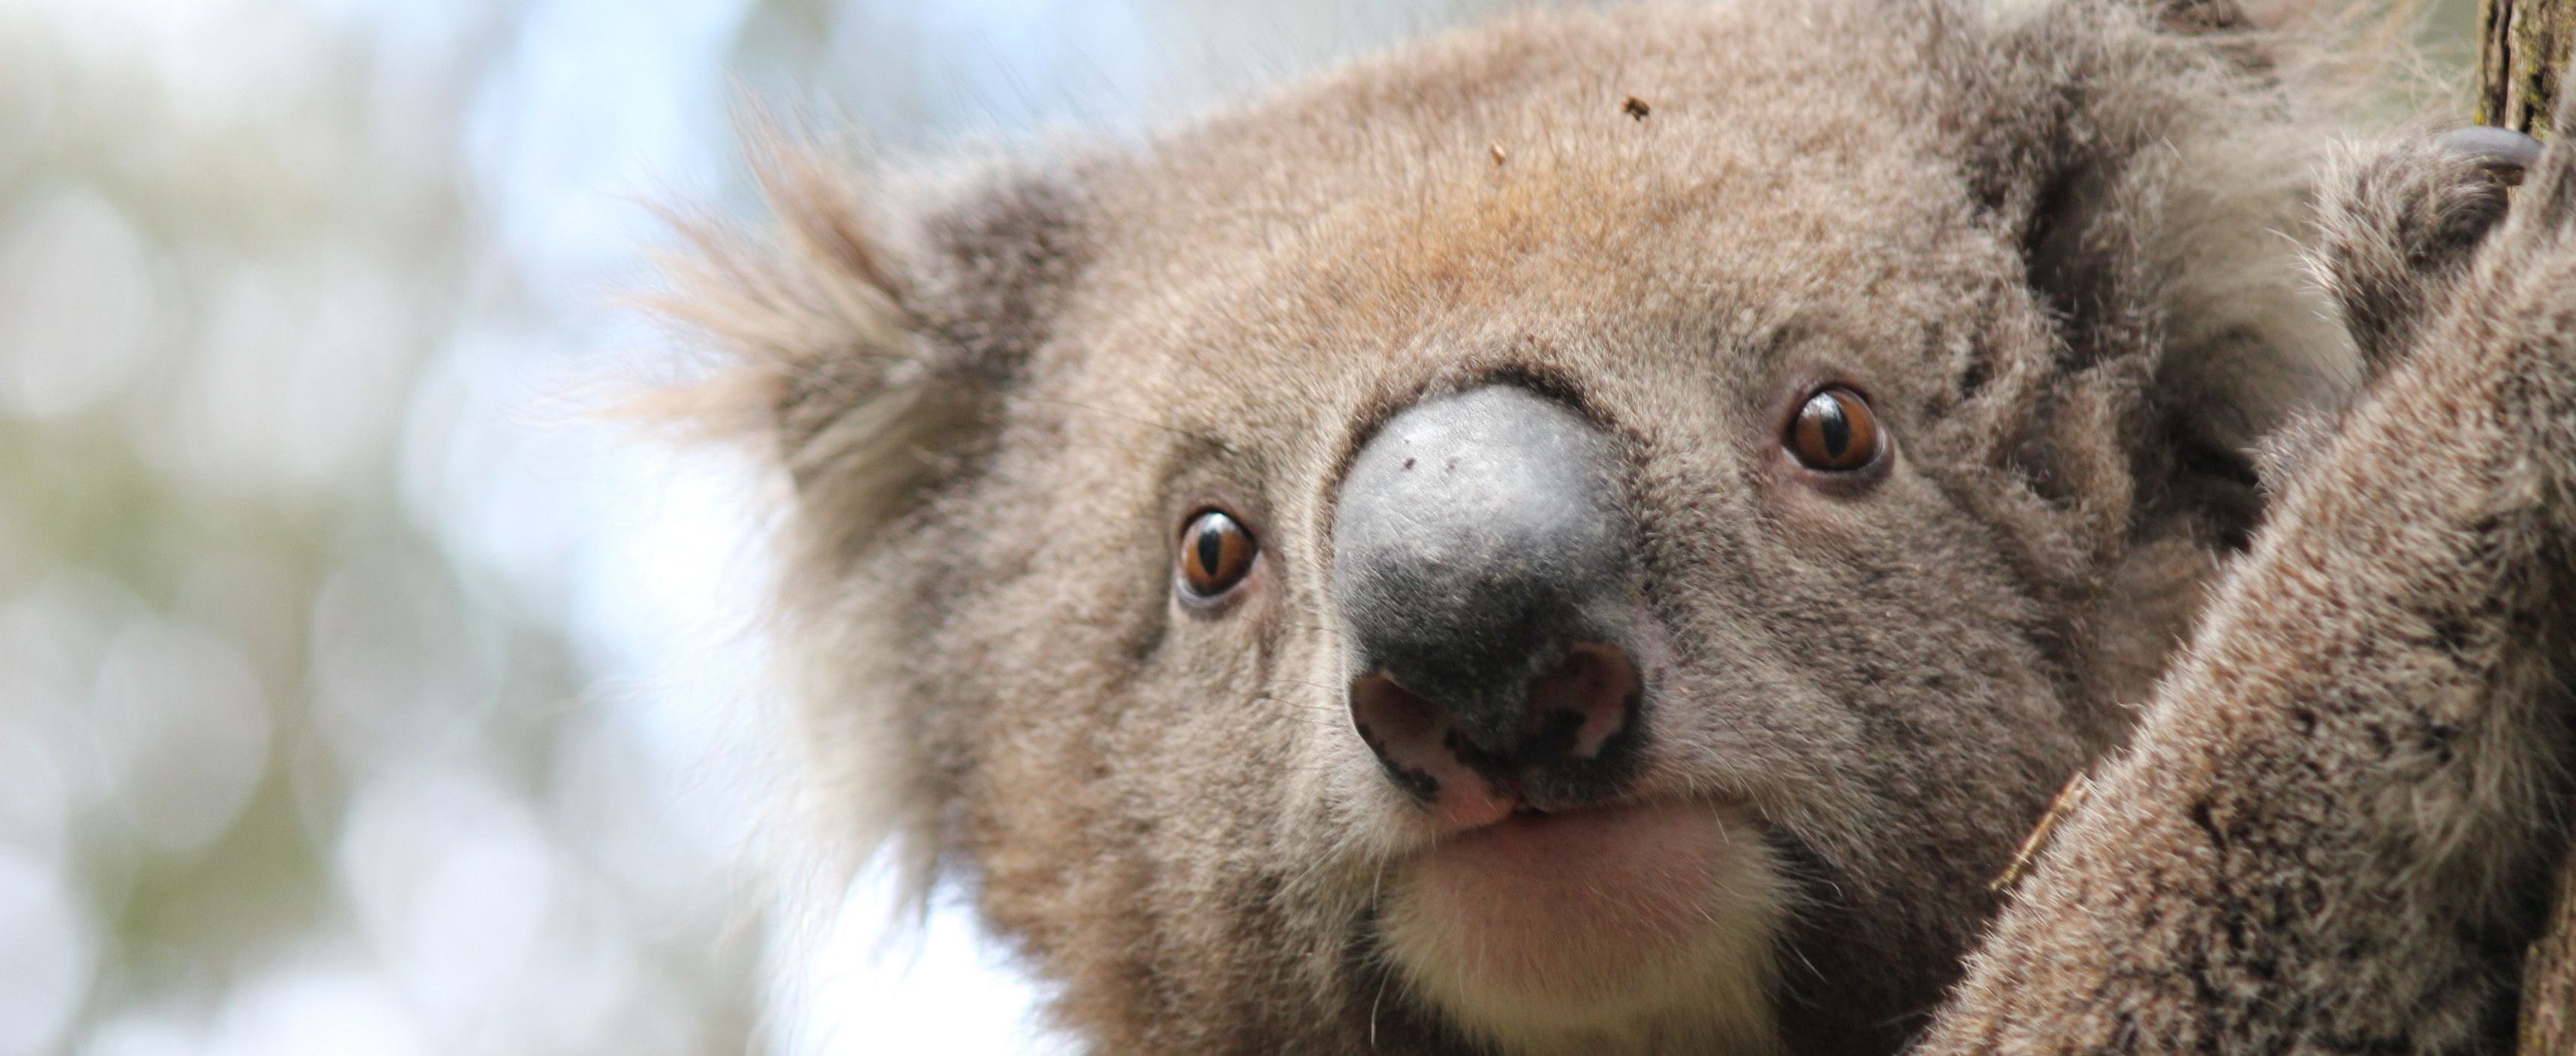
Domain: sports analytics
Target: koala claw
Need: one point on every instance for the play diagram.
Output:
(2504, 153)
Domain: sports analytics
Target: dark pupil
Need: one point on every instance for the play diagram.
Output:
(1831, 424)
(1211, 546)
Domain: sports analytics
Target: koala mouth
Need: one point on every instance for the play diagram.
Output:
(1598, 917)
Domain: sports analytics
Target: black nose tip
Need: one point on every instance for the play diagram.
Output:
(1481, 558)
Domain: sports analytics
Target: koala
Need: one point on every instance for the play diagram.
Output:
(1605, 533)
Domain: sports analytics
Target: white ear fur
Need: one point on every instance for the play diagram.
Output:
(2250, 339)
(868, 360)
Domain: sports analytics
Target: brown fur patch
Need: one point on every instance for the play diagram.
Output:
(2055, 247)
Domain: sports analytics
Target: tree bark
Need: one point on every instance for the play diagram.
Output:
(2522, 47)
(2549, 979)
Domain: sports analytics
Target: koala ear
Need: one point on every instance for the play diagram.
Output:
(869, 354)
(2161, 184)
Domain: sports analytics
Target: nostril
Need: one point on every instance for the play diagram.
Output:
(1576, 708)
(1428, 755)
(1400, 728)
(1570, 716)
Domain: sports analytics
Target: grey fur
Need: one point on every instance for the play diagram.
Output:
(2336, 827)
(2058, 248)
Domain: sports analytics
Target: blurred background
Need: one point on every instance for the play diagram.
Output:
(364, 691)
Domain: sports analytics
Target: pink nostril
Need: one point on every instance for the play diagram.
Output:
(1572, 712)
(1575, 709)
(1428, 755)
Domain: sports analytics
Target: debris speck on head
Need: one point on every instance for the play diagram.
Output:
(1636, 108)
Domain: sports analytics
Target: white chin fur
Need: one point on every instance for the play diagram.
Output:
(1643, 929)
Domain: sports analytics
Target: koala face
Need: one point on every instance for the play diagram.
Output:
(1597, 534)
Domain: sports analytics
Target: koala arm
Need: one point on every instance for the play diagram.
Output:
(2336, 826)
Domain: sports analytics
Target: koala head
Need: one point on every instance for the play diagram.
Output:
(1597, 533)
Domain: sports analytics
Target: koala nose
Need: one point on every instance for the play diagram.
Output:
(1480, 554)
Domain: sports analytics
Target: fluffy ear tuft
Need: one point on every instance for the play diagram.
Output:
(868, 356)
(2156, 176)
(2162, 224)
(869, 343)
(817, 295)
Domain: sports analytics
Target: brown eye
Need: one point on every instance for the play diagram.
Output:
(1835, 432)
(1216, 553)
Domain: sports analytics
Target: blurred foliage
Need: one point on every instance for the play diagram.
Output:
(284, 770)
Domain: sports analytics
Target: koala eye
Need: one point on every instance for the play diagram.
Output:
(1835, 432)
(1216, 553)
